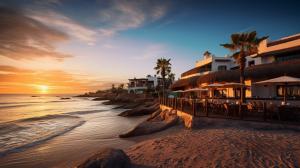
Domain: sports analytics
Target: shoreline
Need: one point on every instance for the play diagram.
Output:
(100, 129)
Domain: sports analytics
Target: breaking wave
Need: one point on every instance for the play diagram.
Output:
(18, 135)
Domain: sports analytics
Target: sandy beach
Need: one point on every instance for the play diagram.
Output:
(222, 143)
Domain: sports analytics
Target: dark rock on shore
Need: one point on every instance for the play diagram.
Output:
(65, 98)
(158, 121)
(99, 99)
(128, 105)
(108, 158)
(141, 110)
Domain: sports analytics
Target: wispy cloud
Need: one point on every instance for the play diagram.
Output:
(124, 15)
(115, 17)
(48, 2)
(24, 38)
(65, 24)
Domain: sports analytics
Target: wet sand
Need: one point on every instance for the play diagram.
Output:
(72, 148)
(68, 150)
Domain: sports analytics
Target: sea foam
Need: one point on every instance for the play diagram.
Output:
(18, 135)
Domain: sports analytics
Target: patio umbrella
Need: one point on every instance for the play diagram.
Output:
(214, 85)
(178, 91)
(234, 85)
(196, 89)
(281, 80)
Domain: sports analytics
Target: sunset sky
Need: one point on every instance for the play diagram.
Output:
(73, 46)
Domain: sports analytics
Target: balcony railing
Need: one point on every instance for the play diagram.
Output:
(256, 110)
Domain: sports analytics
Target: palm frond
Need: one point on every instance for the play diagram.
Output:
(251, 36)
(231, 47)
(259, 40)
(235, 39)
(236, 55)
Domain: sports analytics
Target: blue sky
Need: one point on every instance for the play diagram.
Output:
(104, 42)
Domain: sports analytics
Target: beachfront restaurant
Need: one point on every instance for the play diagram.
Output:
(265, 100)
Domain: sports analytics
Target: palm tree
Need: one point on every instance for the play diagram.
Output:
(243, 45)
(171, 78)
(163, 67)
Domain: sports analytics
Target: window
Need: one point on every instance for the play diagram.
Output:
(237, 93)
(222, 68)
(220, 93)
(251, 63)
(236, 67)
(286, 57)
(291, 91)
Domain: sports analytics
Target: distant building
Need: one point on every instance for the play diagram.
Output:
(141, 85)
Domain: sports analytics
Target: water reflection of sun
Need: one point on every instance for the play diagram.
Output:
(43, 88)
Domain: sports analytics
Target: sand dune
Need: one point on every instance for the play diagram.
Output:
(234, 144)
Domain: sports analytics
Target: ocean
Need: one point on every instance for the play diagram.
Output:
(57, 131)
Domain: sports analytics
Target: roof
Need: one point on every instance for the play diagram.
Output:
(284, 40)
(280, 51)
(255, 73)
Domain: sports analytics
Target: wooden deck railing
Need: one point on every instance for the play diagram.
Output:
(259, 110)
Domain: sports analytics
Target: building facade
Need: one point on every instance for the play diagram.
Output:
(274, 59)
(141, 85)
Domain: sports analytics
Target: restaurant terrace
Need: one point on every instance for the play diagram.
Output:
(272, 86)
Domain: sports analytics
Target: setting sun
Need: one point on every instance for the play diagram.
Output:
(43, 88)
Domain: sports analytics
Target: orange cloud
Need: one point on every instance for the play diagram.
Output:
(22, 37)
(17, 80)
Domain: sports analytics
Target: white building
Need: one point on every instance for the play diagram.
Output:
(140, 85)
(286, 48)
(274, 59)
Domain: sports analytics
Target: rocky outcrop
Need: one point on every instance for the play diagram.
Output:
(158, 121)
(107, 158)
(128, 105)
(99, 98)
(140, 110)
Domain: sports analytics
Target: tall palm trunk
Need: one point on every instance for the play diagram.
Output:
(163, 86)
(163, 74)
(242, 76)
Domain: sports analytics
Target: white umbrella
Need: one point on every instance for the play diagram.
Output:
(214, 85)
(179, 91)
(196, 89)
(281, 80)
(234, 85)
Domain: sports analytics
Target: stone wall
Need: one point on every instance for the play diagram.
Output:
(186, 118)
